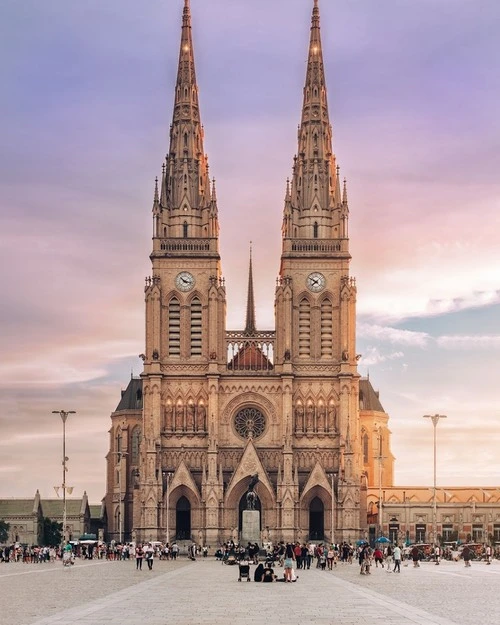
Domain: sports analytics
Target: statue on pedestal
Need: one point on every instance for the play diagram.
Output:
(251, 494)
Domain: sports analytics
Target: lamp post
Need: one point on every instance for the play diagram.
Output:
(380, 502)
(435, 420)
(122, 495)
(333, 476)
(168, 475)
(64, 415)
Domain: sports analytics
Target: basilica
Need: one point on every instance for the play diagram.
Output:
(215, 406)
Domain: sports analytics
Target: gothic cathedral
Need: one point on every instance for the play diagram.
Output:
(214, 407)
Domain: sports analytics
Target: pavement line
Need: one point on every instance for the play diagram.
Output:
(51, 570)
(411, 613)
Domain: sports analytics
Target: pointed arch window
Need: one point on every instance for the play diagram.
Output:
(134, 444)
(315, 230)
(185, 229)
(196, 325)
(304, 328)
(365, 442)
(185, 139)
(174, 327)
(118, 446)
(326, 329)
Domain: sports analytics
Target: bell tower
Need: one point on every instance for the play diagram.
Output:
(185, 308)
(315, 300)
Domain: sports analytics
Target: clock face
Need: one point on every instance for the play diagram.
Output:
(184, 281)
(316, 282)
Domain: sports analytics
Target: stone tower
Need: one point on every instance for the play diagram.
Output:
(214, 407)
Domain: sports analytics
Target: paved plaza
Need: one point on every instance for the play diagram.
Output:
(207, 592)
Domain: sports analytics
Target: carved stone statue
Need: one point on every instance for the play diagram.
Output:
(179, 417)
(321, 418)
(299, 418)
(332, 418)
(251, 494)
(190, 417)
(201, 425)
(169, 411)
(310, 417)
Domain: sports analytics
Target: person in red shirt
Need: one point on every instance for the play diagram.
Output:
(298, 555)
(378, 556)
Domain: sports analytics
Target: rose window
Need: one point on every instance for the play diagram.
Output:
(250, 423)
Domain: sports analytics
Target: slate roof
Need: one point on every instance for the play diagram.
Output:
(16, 507)
(131, 396)
(96, 511)
(368, 396)
(54, 507)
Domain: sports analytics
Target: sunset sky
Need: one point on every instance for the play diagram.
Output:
(86, 104)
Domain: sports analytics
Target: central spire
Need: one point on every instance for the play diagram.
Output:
(314, 197)
(186, 196)
(250, 325)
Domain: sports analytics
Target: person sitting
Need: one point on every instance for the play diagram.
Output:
(268, 575)
(258, 573)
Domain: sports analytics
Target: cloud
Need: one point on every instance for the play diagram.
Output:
(469, 342)
(393, 335)
(374, 357)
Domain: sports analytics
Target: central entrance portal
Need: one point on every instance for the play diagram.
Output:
(183, 519)
(316, 519)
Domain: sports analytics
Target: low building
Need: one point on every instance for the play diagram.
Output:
(25, 517)
(466, 514)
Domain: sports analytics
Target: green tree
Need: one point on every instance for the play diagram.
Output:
(4, 531)
(52, 532)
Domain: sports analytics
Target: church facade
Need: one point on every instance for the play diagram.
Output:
(214, 406)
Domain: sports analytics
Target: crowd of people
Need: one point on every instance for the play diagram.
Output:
(289, 556)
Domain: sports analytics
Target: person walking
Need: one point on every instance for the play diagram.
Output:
(150, 553)
(139, 556)
(397, 559)
(488, 554)
(466, 555)
(437, 554)
(415, 556)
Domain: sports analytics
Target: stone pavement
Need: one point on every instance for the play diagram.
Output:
(206, 592)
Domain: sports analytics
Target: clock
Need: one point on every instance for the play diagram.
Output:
(184, 281)
(316, 282)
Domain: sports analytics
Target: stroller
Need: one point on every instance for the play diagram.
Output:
(244, 570)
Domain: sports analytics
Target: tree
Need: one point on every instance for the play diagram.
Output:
(52, 532)
(4, 531)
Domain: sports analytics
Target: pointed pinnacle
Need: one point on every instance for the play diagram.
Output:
(156, 196)
(214, 194)
(344, 194)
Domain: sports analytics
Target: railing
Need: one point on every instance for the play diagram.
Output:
(317, 246)
(253, 352)
(187, 245)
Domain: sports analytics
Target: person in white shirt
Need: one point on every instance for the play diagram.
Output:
(397, 559)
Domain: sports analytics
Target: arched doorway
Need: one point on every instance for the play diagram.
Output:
(183, 519)
(316, 519)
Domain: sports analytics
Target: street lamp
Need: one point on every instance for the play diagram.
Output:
(168, 476)
(333, 477)
(122, 495)
(64, 415)
(435, 420)
(380, 502)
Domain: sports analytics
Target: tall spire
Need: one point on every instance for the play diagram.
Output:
(250, 326)
(313, 190)
(187, 192)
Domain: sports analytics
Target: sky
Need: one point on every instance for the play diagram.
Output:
(85, 106)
